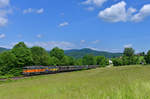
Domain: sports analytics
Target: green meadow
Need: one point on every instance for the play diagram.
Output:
(126, 82)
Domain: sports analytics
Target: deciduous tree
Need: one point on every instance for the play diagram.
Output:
(40, 56)
(23, 55)
(57, 52)
(147, 57)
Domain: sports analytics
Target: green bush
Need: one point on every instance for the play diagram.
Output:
(147, 57)
(101, 61)
(117, 62)
(89, 60)
(15, 71)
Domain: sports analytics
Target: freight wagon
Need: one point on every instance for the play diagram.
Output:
(37, 70)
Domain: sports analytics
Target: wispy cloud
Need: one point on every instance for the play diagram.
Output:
(39, 11)
(3, 21)
(63, 24)
(115, 50)
(39, 36)
(127, 46)
(144, 12)
(2, 36)
(31, 10)
(82, 41)
(95, 42)
(90, 8)
(4, 11)
(4, 3)
(48, 45)
(94, 2)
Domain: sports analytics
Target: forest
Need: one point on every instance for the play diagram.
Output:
(12, 61)
(130, 58)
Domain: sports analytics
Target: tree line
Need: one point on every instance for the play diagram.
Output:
(12, 61)
(130, 58)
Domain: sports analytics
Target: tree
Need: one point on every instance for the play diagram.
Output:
(54, 61)
(128, 52)
(140, 60)
(20, 44)
(107, 61)
(89, 60)
(23, 55)
(40, 56)
(79, 62)
(147, 57)
(101, 60)
(65, 61)
(57, 52)
(141, 54)
(71, 60)
(7, 62)
(117, 62)
(125, 60)
(128, 57)
(135, 60)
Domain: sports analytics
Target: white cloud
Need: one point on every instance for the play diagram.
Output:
(94, 2)
(47, 45)
(131, 11)
(3, 21)
(31, 10)
(115, 50)
(90, 8)
(39, 36)
(99, 2)
(87, 2)
(52, 44)
(96, 41)
(82, 41)
(128, 46)
(93, 48)
(2, 36)
(144, 12)
(117, 13)
(4, 3)
(40, 11)
(4, 12)
(3, 17)
(63, 24)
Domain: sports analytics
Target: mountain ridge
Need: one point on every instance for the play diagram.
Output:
(79, 53)
(2, 49)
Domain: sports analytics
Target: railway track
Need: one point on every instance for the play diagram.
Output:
(13, 78)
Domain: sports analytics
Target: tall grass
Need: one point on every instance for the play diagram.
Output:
(138, 90)
(131, 82)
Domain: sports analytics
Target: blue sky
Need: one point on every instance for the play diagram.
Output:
(106, 25)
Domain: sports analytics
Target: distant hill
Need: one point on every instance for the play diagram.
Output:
(3, 49)
(78, 53)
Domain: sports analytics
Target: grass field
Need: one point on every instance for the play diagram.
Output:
(129, 82)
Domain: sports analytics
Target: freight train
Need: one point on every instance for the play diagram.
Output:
(38, 70)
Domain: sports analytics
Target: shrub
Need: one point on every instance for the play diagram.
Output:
(117, 62)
